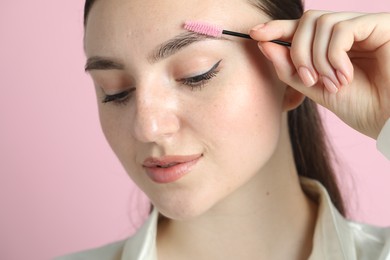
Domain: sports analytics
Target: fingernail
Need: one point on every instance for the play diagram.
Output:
(306, 76)
(330, 86)
(258, 27)
(262, 50)
(343, 80)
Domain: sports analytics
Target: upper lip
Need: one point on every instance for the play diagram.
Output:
(169, 160)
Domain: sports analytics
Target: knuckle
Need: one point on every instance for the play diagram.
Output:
(308, 17)
(333, 56)
(309, 14)
(313, 14)
(320, 64)
(335, 59)
(325, 20)
(298, 57)
(282, 76)
(341, 27)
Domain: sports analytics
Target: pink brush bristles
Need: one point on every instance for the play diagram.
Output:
(203, 28)
(217, 32)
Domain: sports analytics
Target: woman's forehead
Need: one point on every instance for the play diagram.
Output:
(157, 15)
(143, 24)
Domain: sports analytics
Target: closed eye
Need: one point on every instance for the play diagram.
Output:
(120, 99)
(195, 83)
(199, 81)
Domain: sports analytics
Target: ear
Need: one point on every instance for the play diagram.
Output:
(292, 99)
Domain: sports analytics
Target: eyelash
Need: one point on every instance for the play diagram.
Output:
(199, 81)
(118, 99)
(195, 83)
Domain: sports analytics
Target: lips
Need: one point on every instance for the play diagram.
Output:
(170, 168)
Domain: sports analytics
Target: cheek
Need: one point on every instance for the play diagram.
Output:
(251, 107)
(243, 128)
(116, 128)
(240, 132)
(109, 124)
(250, 122)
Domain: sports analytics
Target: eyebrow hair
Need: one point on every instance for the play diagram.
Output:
(101, 63)
(161, 52)
(175, 44)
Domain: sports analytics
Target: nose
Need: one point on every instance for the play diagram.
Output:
(156, 116)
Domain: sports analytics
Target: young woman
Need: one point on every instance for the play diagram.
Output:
(225, 139)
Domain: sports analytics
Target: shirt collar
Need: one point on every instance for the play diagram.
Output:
(142, 246)
(332, 236)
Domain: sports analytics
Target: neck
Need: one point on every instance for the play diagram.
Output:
(278, 225)
(268, 218)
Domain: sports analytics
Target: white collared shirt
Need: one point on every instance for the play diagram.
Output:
(335, 238)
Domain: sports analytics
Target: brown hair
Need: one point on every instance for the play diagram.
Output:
(307, 135)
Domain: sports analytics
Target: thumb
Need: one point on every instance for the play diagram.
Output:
(286, 71)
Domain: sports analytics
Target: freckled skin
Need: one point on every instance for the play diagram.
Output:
(246, 181)
(237, 120)
(245, 185)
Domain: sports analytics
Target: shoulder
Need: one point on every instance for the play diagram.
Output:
(140, 246)
(383, 141)
(112, 251)
(370, 242)
(336, 237)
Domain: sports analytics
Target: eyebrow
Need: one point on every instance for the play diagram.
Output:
(101, 63)
(175, 44)
(161, 52)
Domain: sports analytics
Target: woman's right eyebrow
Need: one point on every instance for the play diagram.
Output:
(175, 44)
(102, 63)
(161, 52)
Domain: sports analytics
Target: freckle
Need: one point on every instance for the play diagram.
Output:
(267, 193)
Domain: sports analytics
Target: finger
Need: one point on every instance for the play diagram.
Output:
(310, 45)
(273, 30)
(301, 54)
(285, 30)
(285, 69)
(331, 76)
(368, 31)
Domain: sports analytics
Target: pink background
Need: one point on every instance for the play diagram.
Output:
(61, 188)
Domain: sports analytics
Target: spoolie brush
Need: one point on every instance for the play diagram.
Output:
(217, 32)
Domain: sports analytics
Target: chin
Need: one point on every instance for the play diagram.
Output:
(182, 209)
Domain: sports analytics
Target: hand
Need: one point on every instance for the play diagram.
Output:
(339, 60)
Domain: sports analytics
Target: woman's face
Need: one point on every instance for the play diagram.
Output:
(214, 101)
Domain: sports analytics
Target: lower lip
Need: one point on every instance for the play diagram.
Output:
(170, 174)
